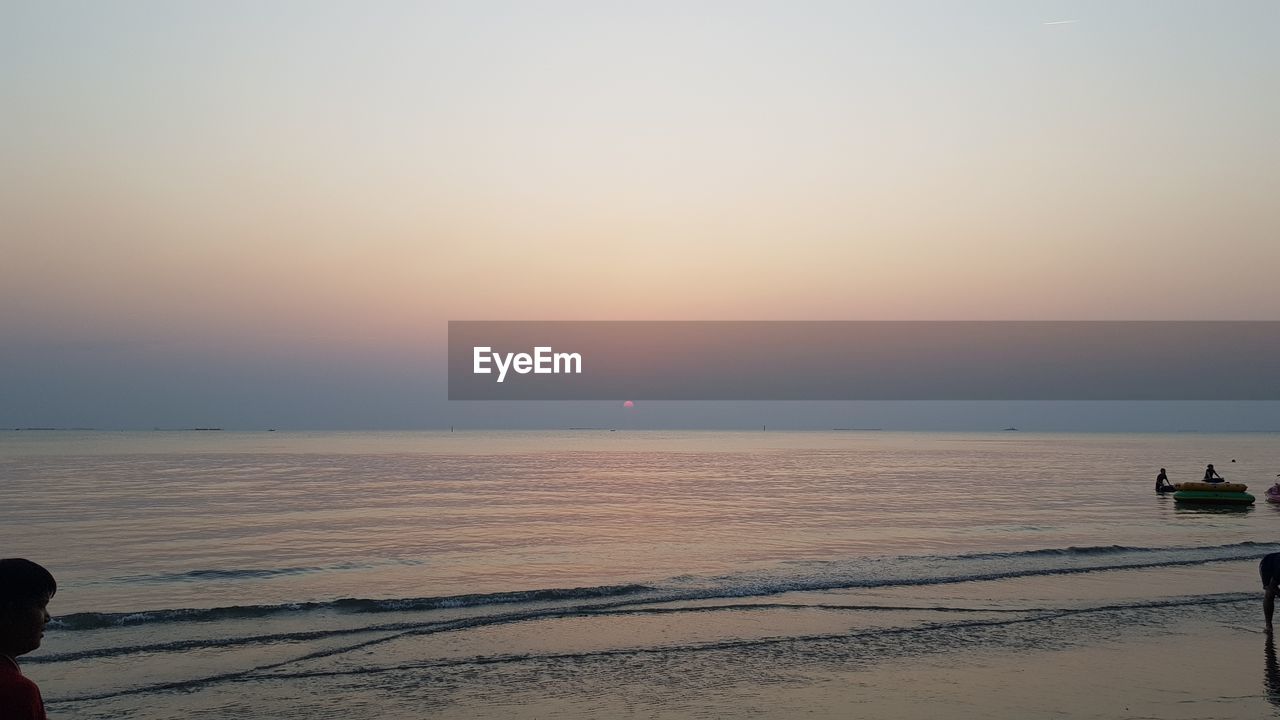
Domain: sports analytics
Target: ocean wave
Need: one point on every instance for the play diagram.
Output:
(812, 576)
(926, 570)
(94, 620)
(271, 671)
(430, 626)
(1028, 616)
(1089, 550)
(233, 574)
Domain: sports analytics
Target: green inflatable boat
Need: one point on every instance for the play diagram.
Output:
(1213, 498)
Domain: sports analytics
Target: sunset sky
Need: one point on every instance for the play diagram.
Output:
(251, 214)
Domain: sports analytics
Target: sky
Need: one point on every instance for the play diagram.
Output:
(250, 215)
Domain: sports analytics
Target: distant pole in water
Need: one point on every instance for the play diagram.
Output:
(450, 428)
(764, 428)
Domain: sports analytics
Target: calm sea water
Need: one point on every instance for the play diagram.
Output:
(413, 574)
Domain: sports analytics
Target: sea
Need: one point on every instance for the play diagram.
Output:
(598, 573)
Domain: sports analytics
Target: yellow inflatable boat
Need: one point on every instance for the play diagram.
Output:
(1218, 487)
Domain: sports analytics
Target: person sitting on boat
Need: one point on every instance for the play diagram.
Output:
(1210, 474)
(1162, 483)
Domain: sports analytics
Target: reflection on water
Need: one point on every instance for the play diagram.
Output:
(1208, 509)
(470, 570)
(1272, 678)
(161, 520)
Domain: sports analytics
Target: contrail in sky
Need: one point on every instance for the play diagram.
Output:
(1061, 22)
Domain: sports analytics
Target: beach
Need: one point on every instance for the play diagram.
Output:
(642, 574)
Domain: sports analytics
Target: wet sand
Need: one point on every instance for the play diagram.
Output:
(1172, 642)
(1190, 669)
(1116, 649)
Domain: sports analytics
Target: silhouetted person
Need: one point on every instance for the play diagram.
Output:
(1210, 474)
(25, 590)
(1269, 569)
(1162, 483)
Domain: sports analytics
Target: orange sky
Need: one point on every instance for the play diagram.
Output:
(246, 178)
